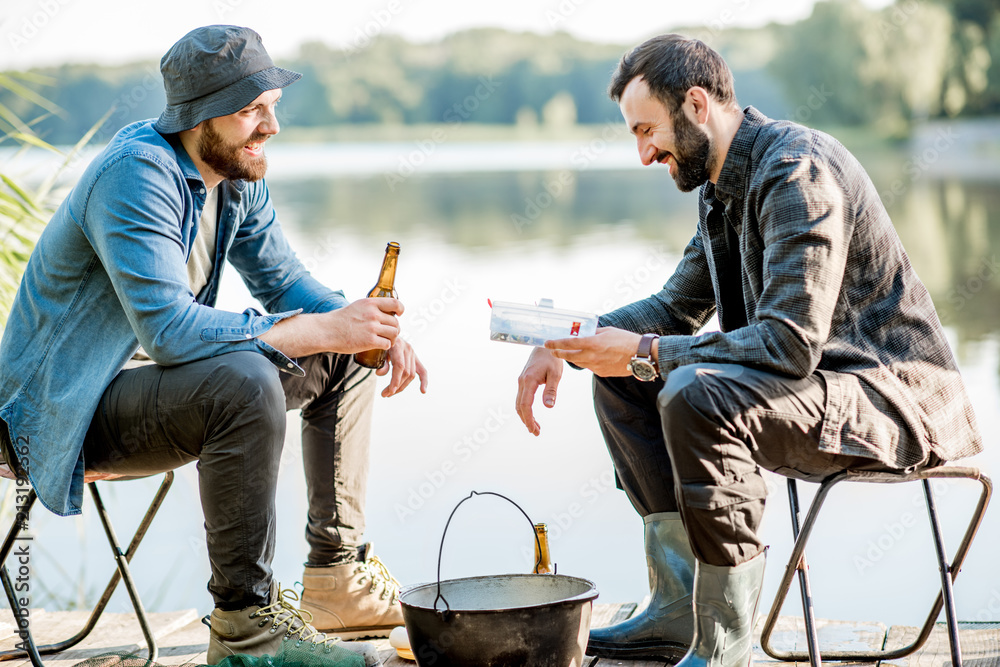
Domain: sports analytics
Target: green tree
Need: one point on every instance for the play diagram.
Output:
(882, 68)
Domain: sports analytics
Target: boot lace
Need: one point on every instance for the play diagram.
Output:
(297, 622)
(375, 570)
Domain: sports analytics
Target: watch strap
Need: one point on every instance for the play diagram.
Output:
(646, 345)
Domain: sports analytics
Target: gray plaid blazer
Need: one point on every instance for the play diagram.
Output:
(796, 254)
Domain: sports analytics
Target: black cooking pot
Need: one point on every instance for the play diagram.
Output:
(542, 620)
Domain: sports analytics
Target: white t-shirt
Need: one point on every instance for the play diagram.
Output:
(200, 261)
(202, 257)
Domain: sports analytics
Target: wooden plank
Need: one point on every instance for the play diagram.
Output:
(113, 633)
(790, 635)
(389, 656)
(613, 662)
(980, 644)
(182, 638)
(8, 628)
(186, 644)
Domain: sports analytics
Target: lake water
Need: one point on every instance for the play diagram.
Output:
(584, 225)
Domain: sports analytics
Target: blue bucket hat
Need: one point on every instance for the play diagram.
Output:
(214, 71)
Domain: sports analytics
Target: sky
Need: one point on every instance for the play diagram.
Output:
(50, 32)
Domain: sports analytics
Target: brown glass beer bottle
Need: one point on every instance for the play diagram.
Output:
(384, 287)
(543, 562)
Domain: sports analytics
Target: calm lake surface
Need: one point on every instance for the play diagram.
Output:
(585, 225)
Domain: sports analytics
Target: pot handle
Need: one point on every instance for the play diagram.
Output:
(444, 612)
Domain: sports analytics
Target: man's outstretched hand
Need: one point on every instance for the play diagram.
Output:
(405, 366)
(606, 353)
(542, 368)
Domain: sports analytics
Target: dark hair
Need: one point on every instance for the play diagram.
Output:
(671, 65)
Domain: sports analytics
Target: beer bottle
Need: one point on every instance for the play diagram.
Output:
(543, 563)
(384, 287)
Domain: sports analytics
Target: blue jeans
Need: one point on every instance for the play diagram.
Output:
(228, 414)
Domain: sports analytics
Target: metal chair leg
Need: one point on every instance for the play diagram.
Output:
(946, 577)
(808, 613)
(21, 615)
(950, 572)
(122, 571)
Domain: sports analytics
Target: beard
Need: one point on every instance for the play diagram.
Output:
(694, 156)
(227, 159)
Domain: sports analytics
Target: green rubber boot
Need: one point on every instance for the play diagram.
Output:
(725, 601)
(662, 630)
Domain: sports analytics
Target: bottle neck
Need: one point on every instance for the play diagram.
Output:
(387, 276)
(543, 561)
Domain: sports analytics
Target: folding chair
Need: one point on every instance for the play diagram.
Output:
(945, 598)
(122, 559)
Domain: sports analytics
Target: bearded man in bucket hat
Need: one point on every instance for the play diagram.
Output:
(114, 362)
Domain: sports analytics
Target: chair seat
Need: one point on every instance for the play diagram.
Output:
(949, 571)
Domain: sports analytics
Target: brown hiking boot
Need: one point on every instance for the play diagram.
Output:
(281, 630)
(353, 600)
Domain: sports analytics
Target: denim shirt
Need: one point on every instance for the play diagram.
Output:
(109, 273)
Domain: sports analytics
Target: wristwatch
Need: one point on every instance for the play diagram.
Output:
(642, 365)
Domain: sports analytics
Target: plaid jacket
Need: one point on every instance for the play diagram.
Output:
(796, 254)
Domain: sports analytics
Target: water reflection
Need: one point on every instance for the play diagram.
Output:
(600, 239)
(950, 228)
(495, 210)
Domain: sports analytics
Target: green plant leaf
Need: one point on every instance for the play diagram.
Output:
(34, 141)
(46, 187)
(8, 82)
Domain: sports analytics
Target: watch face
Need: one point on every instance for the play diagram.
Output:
(643, 369)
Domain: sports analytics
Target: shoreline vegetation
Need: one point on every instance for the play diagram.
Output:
(489, 133)
(938, 149)
(882, 72)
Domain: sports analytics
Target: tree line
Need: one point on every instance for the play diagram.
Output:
(844, 65)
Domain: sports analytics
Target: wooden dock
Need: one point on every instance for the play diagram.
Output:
(183, 639)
